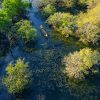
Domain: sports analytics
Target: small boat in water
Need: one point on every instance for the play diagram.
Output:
(43, 31)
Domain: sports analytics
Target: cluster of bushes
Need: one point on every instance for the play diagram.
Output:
(73, 5)
(85, 25)
(66, 3)
(13, 20)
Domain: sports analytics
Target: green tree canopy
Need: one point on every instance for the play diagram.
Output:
(16, 9)
(62, 22)
(89, 25)
(18, 76)
(79, 64)
(25, 30)
(5, 21)
(49, 10)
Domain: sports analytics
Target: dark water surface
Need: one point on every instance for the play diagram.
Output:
(49, 81)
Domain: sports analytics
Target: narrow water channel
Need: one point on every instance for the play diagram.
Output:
(37, 20)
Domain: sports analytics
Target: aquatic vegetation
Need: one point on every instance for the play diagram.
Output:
(84, 89)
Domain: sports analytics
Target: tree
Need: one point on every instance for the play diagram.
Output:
(43, 3)
(16, 9)
(89, 26)
(89, 3)
(82, 63)
(89, 34)
(49, 10)
(63, 23)
(25, 30)
(5, 21)
(18, 76)
(69, 3)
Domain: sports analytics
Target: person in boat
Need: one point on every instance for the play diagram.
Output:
(43, 31)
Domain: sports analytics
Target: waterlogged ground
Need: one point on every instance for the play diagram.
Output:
(45, 59)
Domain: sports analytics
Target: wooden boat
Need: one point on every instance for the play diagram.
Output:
(43, 31)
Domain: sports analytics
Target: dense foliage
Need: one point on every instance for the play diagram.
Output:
(5, 21)
(11, 11)
(82, 63)
(85, 25)
(18, 76)
(67, 3)
(62, 22)
(13, 22)
(89, 25)
(16, 9)
(25, 30)
(49, 10)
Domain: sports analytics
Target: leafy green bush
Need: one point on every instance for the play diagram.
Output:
(18, 76)
(79, 64)
(49, 10)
